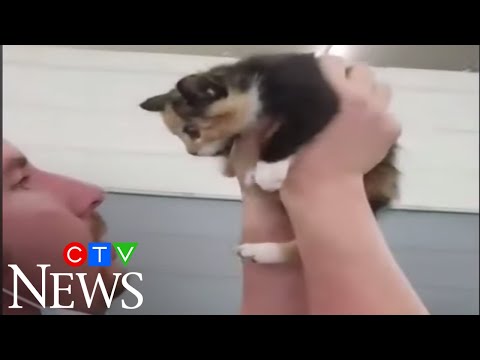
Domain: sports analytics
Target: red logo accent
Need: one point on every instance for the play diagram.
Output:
(75, 254)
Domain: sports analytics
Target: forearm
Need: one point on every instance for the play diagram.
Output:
(269, 289)
(348, 266)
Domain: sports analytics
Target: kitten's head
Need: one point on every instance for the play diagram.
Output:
(206, 110)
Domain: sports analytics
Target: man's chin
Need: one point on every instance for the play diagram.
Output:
(25, 310)
(109, 272)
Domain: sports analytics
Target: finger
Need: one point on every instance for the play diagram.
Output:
(244, 155)
(383, 96)
(393, 127)
(362, 77)
(396, 127)
(333, 69)
(244, 152)
(248, 144)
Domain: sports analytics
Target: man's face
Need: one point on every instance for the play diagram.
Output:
(42, 212)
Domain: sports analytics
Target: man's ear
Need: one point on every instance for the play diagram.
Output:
(156, 103)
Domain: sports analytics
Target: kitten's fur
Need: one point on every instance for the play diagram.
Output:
(208, 110)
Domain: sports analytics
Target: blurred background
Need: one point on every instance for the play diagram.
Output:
(439, 57)
(74, 110)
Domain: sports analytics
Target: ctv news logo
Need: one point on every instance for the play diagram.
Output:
(98, 254)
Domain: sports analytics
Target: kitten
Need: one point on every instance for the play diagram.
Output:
(208, 110)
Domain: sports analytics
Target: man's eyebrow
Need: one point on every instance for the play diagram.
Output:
(18, 162)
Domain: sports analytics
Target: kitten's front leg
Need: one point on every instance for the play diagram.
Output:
(269, 175)
(226, 166)
(276, 157)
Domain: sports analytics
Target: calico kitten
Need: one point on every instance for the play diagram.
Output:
(208, 110)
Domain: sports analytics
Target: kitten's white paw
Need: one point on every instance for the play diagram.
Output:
(263, 253)
(270, 176)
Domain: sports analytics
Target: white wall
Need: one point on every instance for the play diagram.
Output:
(76, 112)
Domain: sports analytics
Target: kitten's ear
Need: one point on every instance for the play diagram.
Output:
(156, 103)
(198, 88)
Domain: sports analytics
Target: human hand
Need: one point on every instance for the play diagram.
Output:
(348, 266)
(359, 136)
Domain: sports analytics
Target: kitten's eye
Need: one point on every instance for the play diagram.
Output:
(191, 131)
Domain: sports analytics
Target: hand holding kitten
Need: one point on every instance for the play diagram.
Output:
(359, 136)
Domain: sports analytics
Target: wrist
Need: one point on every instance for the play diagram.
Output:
(320, 190)
(327, 211)
(344, 253)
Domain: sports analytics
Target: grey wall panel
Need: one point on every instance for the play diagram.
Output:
(185, 254)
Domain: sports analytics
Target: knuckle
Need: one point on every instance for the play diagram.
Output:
(394, 127)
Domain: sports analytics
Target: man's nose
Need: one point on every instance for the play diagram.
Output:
(85, 198)
(81, 197)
